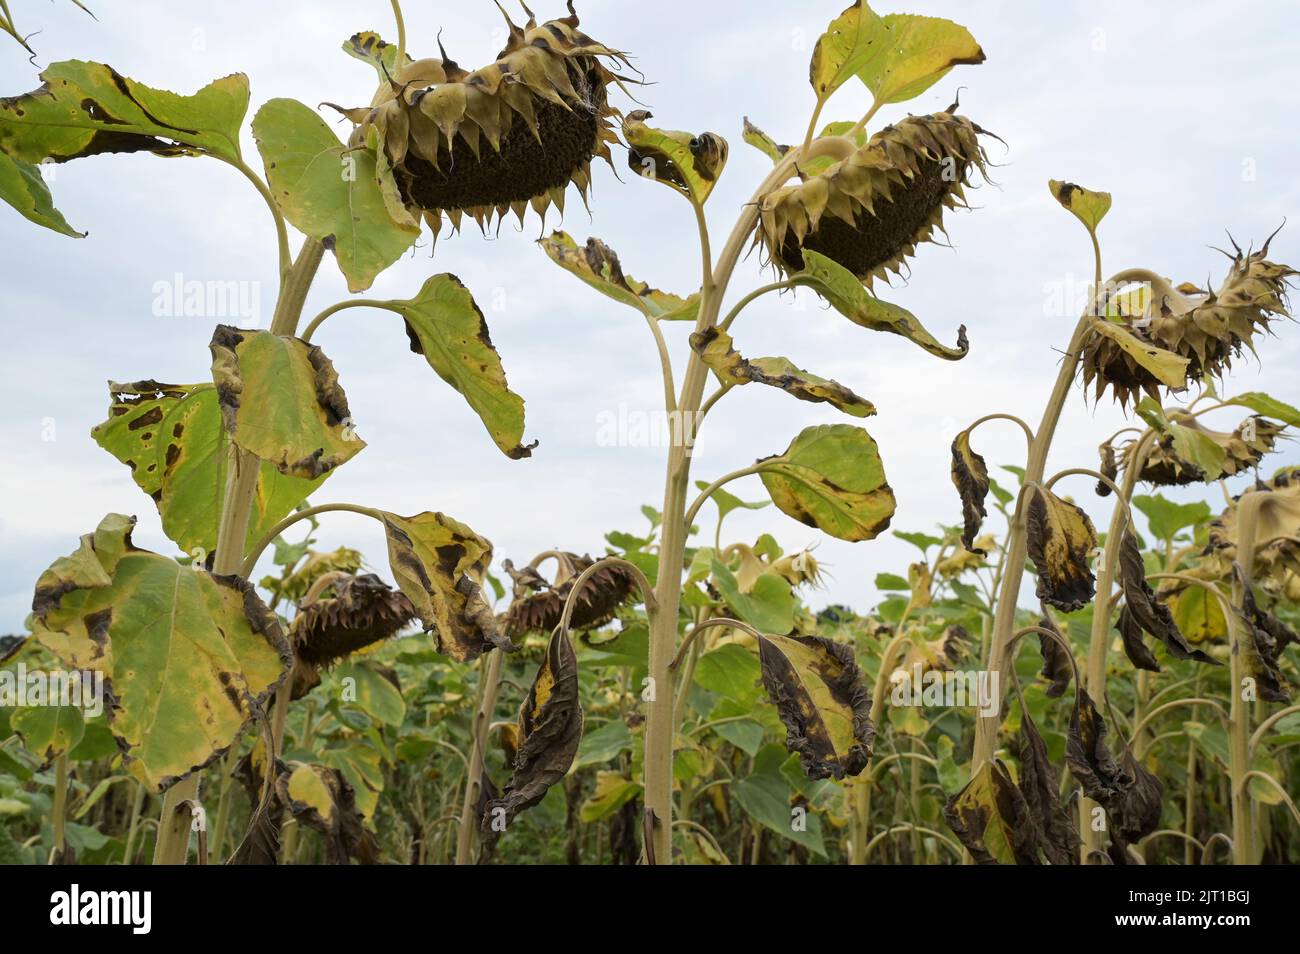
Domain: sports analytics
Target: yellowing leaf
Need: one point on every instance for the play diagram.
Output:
(715, 347)
(23, 187)
(683, 161)
(191, 657)
(1085, 205)
(817, 688)
(1060, 540)
(970, 475)
(598, 265)
(281, 401)
(1169, 369)
(992, 819)
(831, 478)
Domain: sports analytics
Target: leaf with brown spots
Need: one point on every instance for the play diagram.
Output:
(172, 438)
(440, 564)
(188, 658)
(319, 797)
(597, 264)
(1060, 539)
(831, 478)
(686, 163)
(1144, 612)
(550, 730)
(716, 348)
(1261, 644)
(992, 819)
(281, 401)
(1089, 758)
(817, 688)
(970, 475)
(1055, 829)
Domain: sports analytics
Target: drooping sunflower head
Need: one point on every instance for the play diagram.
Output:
(538, 603)
(344, 613)
(510, 135)
(869, 210)
(1243, 449)
(1206, 328)
(1277, 531)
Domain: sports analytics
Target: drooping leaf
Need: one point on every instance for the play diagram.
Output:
(85, 109)
(992, 819)
(1260, 639)
(281, 401)
(817, 689)
(369, 47)
(613, 791)
(329, 192)
(847, 295)
(446, 326)
(831, 478)
(1056, 661)
(23, 187)
(550, 730)
(687, 163)
(1060, 539)
(439, 563)
(1198, 615)
(191, 657)
(970, 475)
(321, 798)
(172, 438)
(1086, 206)
(763, 142)
(1268, 406)
(717, 350)
(1090, 760)
(1143, 612)
(1137, 813)
(1055, 828)
(597, 264)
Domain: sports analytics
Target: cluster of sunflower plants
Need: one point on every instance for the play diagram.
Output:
(674, 698)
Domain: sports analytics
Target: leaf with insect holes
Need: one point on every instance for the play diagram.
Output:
(831, 477)
(817, 689)
(446, 327)
(847, 295)
(550, 730)
(597, 264)
(686, 163)
(716, 349)
(191, 657)
(1085, 205)
(281, 401)
(24, 188)
(329, 192)
(898, 56)
(172, 438)
(970, 475)
(86, 109)
(991, 818)
(1060, 539)
(439, 563)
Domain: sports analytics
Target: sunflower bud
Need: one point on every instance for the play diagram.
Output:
(513, 134)
(870, 210)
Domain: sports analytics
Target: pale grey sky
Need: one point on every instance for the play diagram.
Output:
(1184, 111)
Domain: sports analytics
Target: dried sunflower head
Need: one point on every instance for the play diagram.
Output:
(538, 603)
(362, 610)
(1207, 328)
(513, 134)
(1277, 531)
(870, 210)
(1243, 448)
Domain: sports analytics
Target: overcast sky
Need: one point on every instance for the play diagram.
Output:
(1184, 111)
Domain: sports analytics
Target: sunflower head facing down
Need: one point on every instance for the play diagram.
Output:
(1206, 327)
(869, 210)
(510, 135)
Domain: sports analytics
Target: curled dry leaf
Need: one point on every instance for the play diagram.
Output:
(688, 163)
(991, 817)
(321, 798)
(716, 348)
(189, 658)
(598, 265)
(1262, 644)
(1089, 758)
(1108, 467)
(440, 564)
(1057, 669)
(281, 401)
(970, 475)
(550, 729)
(1055, 830)
(1144, 612)
(1060, 539)
(817, 688)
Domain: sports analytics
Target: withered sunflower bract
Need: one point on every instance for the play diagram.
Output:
(363, 610)
(538, 603)
(870, 210)
(512, 134)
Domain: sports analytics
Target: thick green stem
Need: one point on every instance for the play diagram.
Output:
(487, 700)
(1243, 829)
(232, 532)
